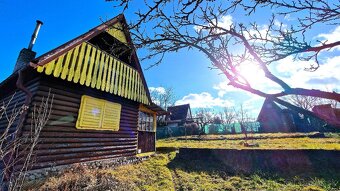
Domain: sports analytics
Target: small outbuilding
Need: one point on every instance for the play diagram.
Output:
(281, 116)
(101, 104)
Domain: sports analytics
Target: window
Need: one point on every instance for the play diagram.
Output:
(146, 120)
(98, 114)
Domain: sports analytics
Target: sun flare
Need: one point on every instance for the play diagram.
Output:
(252, 73)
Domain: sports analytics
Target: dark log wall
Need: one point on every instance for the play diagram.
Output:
(146, 141)
(61, 143)
(14, 100)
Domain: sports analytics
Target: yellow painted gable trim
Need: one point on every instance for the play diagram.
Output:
(89, 66)
(117, 31)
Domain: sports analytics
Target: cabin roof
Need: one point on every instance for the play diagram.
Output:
(55, 54)
(81, 43)
(267, 108)
(278, 105)
(159, 110)
(179, 112)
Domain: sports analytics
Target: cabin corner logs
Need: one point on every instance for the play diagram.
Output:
(117, 90)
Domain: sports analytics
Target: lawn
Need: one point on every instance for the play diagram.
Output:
(166, 172)
(263, 141)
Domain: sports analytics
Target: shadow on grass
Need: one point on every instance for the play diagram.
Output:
(211, 165)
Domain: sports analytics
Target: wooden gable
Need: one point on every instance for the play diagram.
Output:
(89, 65)
(117, 31)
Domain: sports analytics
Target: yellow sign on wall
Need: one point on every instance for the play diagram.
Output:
(98, 114)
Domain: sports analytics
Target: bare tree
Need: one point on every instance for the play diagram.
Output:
(305, 102)
(229, 116)
(164, 98)
(203, 117)
(308, 102)
(197, 25)
(17, 149)
(242, 117)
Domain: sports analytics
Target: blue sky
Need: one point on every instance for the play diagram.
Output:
(186, 71)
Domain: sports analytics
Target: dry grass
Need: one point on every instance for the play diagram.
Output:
(148, 175)
(165, 172)
(268, 141)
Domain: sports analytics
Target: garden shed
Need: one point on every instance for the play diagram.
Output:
(101, 106)
(281, 116)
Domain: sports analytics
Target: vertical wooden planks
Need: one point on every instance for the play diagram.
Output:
(127, 85)
(106, 63)
(59, 66)
(135, 86)
(109, 75)
(40, 68)
(117, 77)
(91, 63)
(124, 80)
(66, 65)
(96, 68)
(79, 63)
(86, 63)
(120, 79)
(113, 75)
(74, 60)
(101, 66)
(49, 67)
(138, 88)
(132, 84)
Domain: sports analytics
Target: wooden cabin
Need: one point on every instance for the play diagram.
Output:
(284, 117)
(101, 107)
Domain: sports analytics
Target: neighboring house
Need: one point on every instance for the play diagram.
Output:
(179, 115)
(101, 108)
(327, 113)
(174, 120)
(284, 117)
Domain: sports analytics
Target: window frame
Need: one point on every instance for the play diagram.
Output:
(149, 117)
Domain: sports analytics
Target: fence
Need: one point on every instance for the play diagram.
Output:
(219, 129)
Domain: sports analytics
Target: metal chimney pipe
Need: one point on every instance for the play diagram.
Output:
(34, 35)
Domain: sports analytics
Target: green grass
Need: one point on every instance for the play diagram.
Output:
(264, 141)
(166, 172)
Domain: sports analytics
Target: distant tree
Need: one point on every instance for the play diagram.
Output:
(244, 119)
(204, 117)
(305, 102)
(164, 97)
(308, 102)
(229, 117)
(165, 26)
(217, 120)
